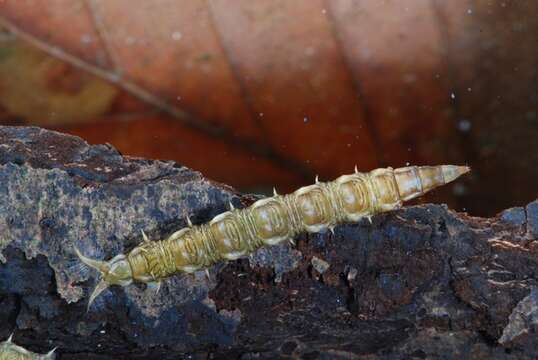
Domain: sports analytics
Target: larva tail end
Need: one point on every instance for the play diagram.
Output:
(452, 172)
(101, 286)
(117, 271)
(101, 266)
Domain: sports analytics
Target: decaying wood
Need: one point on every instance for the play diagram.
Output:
(421, 282)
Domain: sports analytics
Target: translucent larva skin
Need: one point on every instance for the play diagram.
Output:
(11, 351)
(269, 221)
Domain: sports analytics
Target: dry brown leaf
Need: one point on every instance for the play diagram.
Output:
(272, 92)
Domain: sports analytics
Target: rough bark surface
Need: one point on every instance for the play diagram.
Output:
(420, 283)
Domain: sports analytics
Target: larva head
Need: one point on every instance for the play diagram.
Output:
(116, 271)
(452, 172)
(414, 181)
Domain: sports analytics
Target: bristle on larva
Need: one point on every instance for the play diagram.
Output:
(10, 351)
(239, 232)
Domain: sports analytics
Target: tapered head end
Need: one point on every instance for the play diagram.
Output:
(452, 172)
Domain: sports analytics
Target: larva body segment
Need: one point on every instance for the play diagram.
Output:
(237, 233)
(11, 351)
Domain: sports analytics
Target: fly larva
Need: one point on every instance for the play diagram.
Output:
(237, 233)
(10, 351)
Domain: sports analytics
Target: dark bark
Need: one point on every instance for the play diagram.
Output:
(422, 282)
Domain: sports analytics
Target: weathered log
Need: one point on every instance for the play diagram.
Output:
(422, 282)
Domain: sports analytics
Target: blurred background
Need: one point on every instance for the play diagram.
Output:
(268, 93)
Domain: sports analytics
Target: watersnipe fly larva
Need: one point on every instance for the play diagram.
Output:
(239, 232)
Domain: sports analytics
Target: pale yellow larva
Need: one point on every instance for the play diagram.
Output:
(237, 233)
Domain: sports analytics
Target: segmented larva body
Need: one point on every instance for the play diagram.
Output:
(239, 232)
(10, 351)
